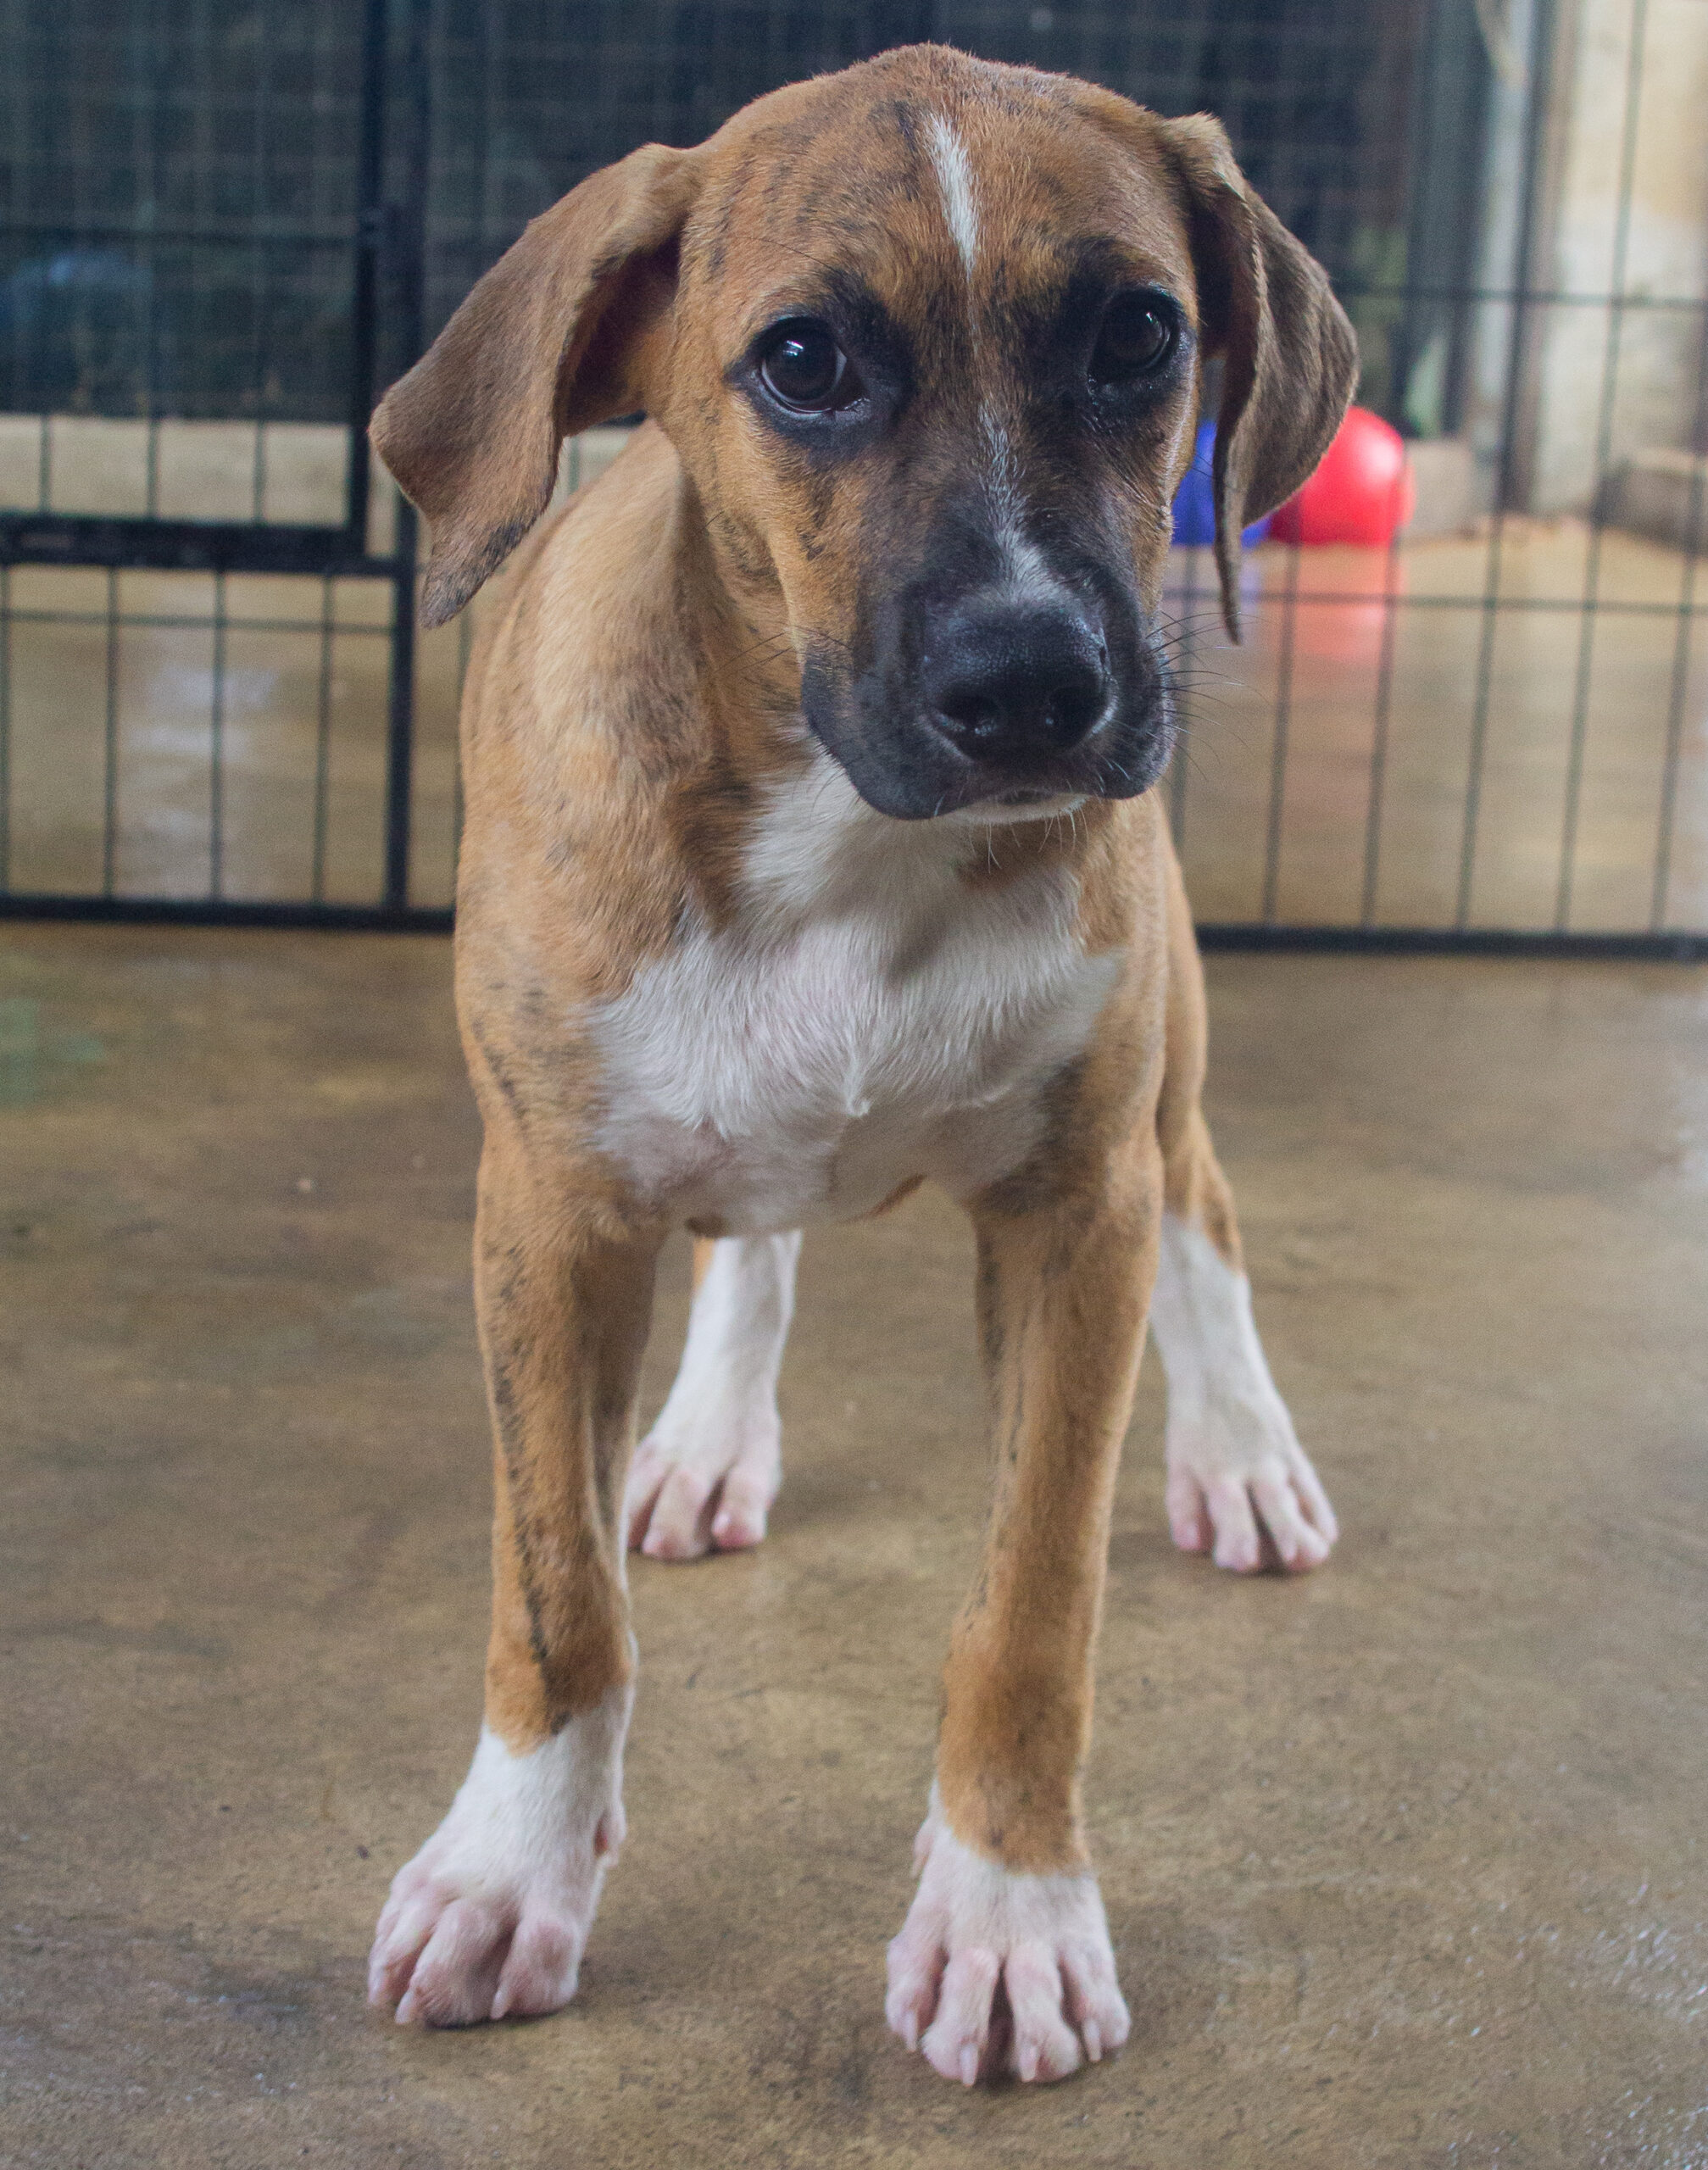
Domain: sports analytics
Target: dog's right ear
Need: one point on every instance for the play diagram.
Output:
(555, 337)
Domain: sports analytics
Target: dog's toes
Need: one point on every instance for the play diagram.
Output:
(1251, 1504)
(1312, 1499)
(743, 1502)
(541, 1969)
(1045, 2047)
(666, 1504)
(996, 1971)
(446, 1960)
(679, 1527)
(399, 1940)
(955, 2042)
(490, 1917)
(1271, 1519)
(1094, 2002)
(713, 1493)
(1188, 1518)
(1238, 1547)
(914, 1967)
(454, 1980)
(1297, 1545)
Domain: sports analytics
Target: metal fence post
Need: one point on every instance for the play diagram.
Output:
(406, 242)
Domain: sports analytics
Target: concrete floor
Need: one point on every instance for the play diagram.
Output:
(1404, 1863)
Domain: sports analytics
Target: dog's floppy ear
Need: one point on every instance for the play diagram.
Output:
(1289, 359)
(552, 340)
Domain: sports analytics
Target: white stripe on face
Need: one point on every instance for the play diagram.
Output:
(955, 177)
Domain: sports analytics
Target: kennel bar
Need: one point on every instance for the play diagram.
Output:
(380, 245)
(1375, 135)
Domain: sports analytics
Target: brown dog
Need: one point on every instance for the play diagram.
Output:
(808, 854)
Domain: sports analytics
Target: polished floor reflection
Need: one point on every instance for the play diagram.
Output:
(1446, 735)
(1450, 735)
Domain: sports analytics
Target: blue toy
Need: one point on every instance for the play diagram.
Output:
(1194, 501)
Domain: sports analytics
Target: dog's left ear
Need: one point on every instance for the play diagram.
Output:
(1289, 357)
(555, 337)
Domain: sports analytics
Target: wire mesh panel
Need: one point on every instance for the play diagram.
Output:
(531, 96)
(215, 245)
(181, 189)
(1497, 724)
(204, 605)
(1494, 725)
(191, 736)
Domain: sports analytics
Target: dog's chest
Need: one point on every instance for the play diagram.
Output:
(802, 1063)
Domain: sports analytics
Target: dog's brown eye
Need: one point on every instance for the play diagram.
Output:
(1137, 335)
(801, 365)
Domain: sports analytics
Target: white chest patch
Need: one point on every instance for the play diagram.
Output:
(868, 1019)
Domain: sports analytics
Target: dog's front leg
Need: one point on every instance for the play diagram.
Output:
(492, 1916)
(1006, 1894)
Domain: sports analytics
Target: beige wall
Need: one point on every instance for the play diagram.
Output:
(1666, 248)
(275, 471)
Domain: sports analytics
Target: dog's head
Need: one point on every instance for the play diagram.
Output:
(929, 337)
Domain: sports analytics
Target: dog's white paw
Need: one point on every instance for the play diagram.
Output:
(974, 1927)
(705, 1476)
(491, 1917)
(1241, 1487)
(704, 1481)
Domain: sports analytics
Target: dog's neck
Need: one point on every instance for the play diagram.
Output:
(749, 684)
(734, 603)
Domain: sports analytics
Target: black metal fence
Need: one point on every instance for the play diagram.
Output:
(224, 228)
(205, 251)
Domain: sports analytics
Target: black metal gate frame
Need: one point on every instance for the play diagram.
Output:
(389, 246)
(389, 252)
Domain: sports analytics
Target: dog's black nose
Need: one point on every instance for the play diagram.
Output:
(1013, 685)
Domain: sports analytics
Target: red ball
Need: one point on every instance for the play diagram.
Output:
(1363, 491)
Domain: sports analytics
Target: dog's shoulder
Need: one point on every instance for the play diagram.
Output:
(581, 628)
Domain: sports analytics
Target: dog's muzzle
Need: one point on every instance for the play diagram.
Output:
(991, 698)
